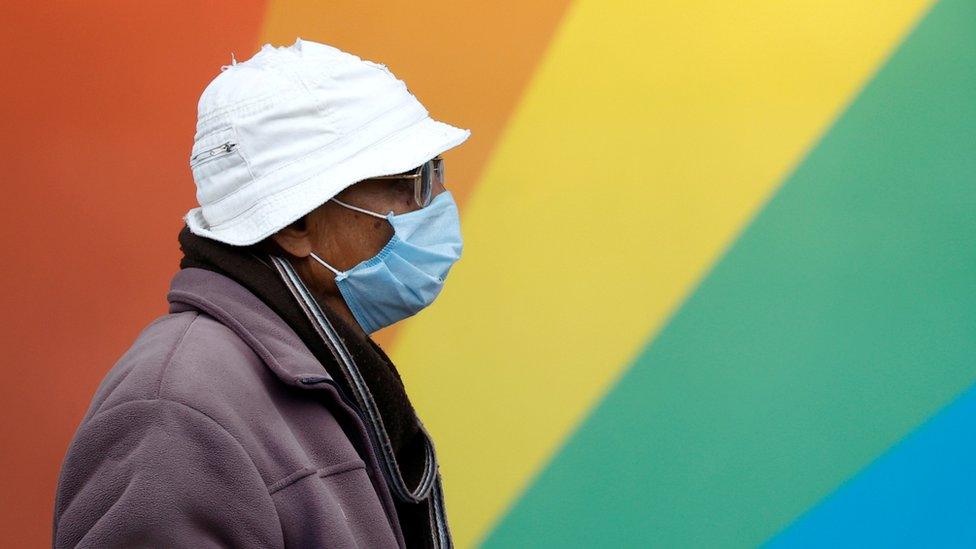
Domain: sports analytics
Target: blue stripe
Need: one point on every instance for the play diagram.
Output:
(920, 493)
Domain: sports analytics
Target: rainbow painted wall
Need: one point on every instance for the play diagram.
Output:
(719, 284)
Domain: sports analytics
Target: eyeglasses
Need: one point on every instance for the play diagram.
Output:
(425, 178)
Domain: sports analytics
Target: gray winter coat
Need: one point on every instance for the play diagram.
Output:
(219, 428)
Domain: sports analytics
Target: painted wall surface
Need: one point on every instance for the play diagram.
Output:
(719, 284)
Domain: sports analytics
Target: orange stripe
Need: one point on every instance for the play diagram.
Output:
(99, 115)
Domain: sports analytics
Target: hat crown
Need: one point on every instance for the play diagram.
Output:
(273, 67)
(352, 89)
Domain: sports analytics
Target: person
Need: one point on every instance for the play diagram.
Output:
(259, 412)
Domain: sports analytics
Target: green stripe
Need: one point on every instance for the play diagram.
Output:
(841, 318)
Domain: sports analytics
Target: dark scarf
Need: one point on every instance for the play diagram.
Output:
(249, 269)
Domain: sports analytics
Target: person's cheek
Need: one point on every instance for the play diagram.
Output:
(375, 235)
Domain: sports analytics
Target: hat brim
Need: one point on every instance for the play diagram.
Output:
(396, 153)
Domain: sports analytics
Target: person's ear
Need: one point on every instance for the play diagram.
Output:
(296, 238)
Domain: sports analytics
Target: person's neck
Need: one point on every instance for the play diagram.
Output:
(336, 304)
(331, 300)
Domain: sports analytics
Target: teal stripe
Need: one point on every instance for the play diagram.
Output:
(918, 494)
(842, 317)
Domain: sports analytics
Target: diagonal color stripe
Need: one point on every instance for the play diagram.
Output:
(919, 494)
(649, 135)
(840, 319)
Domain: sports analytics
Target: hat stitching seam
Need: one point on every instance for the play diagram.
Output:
(240, 150)
(235, 107)
(246, 105)
(298, 76)
(335, 142)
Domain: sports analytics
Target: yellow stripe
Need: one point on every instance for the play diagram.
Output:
(649, 136)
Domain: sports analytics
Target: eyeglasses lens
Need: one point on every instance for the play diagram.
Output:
(431, 175)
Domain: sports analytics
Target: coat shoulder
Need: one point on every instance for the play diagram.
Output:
(193, 359)
(188, 357)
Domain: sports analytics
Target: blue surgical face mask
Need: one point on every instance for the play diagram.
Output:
(408, 273)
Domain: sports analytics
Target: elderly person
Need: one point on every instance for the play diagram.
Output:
(258, 412)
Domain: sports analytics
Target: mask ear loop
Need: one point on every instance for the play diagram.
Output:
(324, 264)
(360, 210)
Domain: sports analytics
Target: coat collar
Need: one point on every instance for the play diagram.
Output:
(251, 319)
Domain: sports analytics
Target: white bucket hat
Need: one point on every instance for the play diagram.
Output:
(283, 132)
